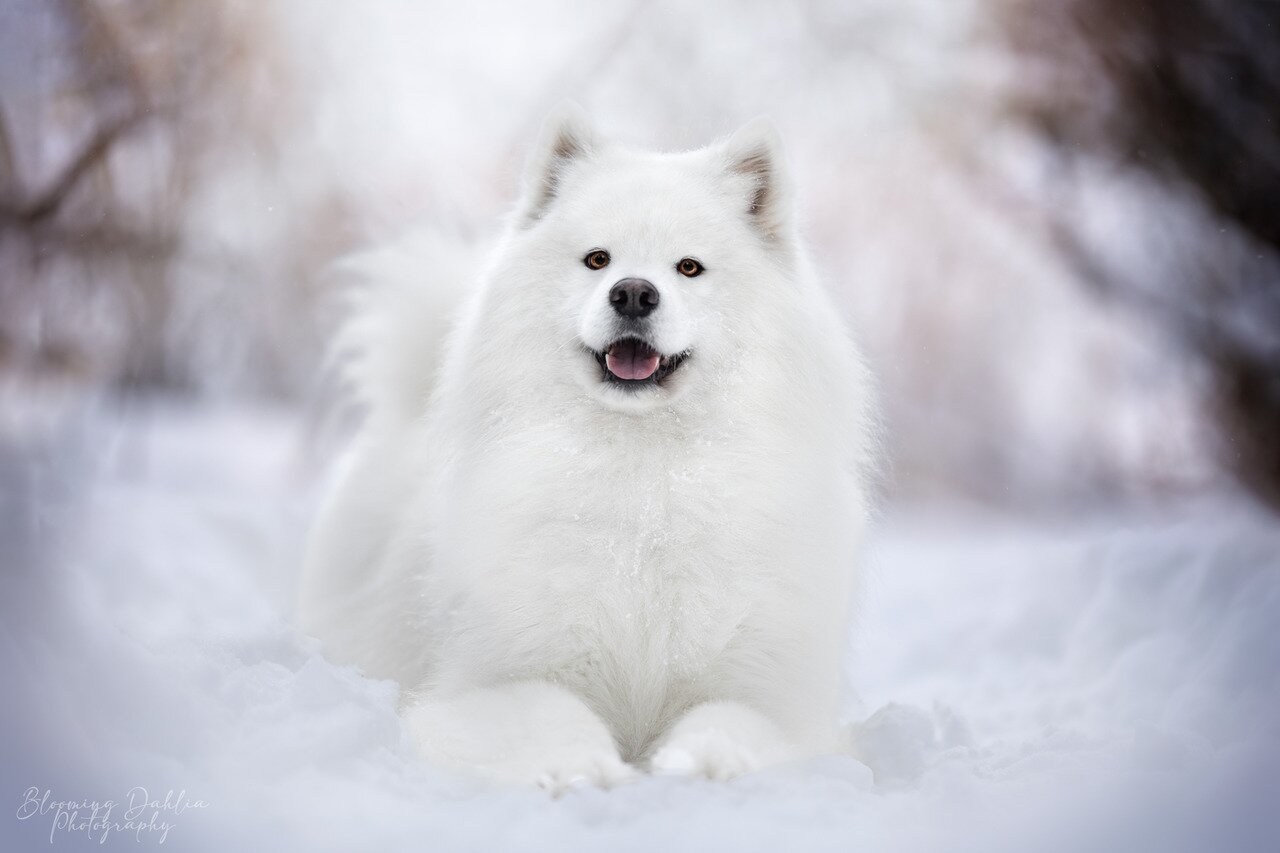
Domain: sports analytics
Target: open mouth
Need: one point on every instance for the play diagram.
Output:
(633, 362)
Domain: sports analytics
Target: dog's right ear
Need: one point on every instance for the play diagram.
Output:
(566, 137)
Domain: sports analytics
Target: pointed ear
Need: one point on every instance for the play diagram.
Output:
(566, 137)
(753, 155)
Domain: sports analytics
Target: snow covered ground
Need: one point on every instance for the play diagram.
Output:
(1109, 682)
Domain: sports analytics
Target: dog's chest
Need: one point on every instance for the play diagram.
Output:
(650, 547)
(622, 560)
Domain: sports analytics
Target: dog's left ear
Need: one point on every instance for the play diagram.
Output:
(753, 157)
(567, 136)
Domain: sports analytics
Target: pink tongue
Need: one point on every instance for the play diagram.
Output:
(631, 360)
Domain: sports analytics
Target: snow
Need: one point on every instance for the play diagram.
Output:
(1105, 682)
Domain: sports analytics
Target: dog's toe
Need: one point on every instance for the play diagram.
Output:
(587, 771)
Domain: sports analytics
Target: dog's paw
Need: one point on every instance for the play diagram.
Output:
(569, 772)
(527, 733)
(714, 755)
(719, 740)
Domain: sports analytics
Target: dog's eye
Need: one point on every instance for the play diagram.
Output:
(597, 259)
(689, 268)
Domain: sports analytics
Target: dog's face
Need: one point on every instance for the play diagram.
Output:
(652, 264)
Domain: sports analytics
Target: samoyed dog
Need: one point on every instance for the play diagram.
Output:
(606, 520)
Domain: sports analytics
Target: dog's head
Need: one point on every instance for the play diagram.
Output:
(655, 268)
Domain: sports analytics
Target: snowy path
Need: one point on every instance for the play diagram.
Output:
(1109, 683)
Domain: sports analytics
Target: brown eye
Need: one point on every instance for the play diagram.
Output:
(689, 268)
(597, 259)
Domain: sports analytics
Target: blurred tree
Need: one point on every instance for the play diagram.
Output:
(1188, 93)
(58, 200)
(113, 113)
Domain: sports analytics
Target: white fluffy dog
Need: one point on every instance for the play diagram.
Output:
(612, 525)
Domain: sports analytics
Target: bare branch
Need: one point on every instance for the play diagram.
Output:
(48, 202)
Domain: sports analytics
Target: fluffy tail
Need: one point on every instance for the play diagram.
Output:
(402, 301)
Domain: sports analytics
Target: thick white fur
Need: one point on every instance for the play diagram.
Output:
(572, 580)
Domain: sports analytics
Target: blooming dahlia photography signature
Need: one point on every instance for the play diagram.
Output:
(138, 813)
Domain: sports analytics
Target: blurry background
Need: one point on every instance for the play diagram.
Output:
(1056, 223)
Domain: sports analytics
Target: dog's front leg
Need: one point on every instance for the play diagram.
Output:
(529, 732)
(721, 740)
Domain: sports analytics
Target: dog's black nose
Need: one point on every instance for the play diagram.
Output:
(633, 297)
